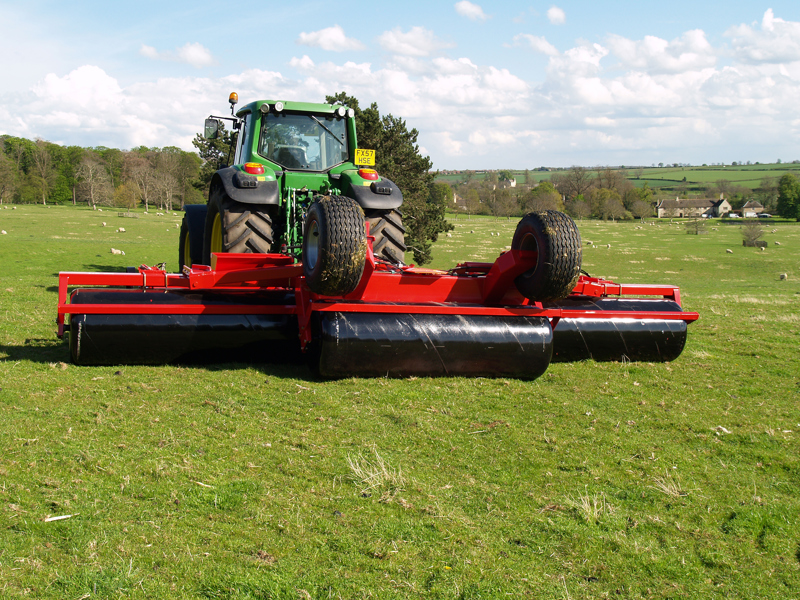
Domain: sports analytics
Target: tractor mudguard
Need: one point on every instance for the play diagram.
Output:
(247, 189)
(383, 195)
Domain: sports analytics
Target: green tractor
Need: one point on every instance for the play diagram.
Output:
(299, 186)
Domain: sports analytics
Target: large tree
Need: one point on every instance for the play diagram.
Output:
(214, 155)
(789, 196)
(398, 158)
(578, 181)
(94, 184)
(45, 175)
(542, 197)
(140, 169)
(8, 176)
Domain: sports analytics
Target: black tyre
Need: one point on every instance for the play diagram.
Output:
(190, 246)
(235, 227)
(387, 227)
(557, 242)
(334, 246)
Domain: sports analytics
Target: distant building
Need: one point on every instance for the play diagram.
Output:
(752, 208)
(701, 207)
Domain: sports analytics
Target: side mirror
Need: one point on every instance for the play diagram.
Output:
(211, 129)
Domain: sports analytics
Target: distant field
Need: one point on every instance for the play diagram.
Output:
(745, 175)
(598, 480)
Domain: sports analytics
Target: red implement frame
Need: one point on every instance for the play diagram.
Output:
(468, 289)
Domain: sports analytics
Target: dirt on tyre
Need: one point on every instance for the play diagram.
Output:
(236, 227)
(334, 245)
(557, 243)
(387, 228)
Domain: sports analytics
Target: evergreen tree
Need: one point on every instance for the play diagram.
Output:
(215, 154)
(397, 158)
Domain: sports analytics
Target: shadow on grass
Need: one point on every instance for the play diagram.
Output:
(286, 364)
(41, 350)
(105, 269)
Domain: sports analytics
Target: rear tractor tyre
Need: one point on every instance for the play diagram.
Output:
(557, 243)
(190, 246)
(334, 246)
(236, 227)
(387, 228)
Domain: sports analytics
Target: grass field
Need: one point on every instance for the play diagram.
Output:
(598, 480)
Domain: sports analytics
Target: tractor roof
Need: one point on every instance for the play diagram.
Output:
(309, 107)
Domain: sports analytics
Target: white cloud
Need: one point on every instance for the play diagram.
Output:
(330, 38)
(196, 55)
(778, 41)
(655, 55)
(417, 41)
(450, 66)
(556, 15)
(471, 11)
(192, 53)
(148, 51)
(303, 64)
(581, 61)
(87, 86)
(539, 44)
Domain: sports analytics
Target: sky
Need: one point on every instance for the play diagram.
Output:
(487, 85)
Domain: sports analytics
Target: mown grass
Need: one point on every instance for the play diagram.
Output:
(258, 481)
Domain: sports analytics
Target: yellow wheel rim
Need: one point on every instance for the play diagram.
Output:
(216, 234)
(187, 252)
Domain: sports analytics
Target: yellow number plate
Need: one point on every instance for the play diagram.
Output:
(365, 157)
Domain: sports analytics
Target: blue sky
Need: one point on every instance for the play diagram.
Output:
(511, 84)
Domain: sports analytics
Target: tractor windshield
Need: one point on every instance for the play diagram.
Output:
(303, 142)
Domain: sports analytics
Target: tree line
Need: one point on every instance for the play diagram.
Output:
(599, 193)
(582, 193)
(38, 171)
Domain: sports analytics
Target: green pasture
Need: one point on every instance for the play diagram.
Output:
(598, 480)
(749, 176)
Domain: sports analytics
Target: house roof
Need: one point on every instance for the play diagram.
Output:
(696, 203)
(753, 204)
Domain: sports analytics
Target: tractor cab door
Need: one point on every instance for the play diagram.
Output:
(244, 143)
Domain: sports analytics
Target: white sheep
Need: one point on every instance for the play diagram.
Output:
(3, 232)
(115, 251)
(104, 223)
(777, 243)
(608, 245)
(784, 276)
(121, 230)
(729, 251)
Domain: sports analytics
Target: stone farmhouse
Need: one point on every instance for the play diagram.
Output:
(752, 208)
(703, 207)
